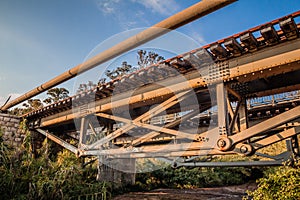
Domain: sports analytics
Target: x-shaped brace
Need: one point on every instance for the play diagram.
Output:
(139, 121)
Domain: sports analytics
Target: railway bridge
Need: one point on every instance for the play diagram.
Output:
(235, 96)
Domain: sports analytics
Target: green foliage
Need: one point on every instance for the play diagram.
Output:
(33, 104)
(23, 176)
(30, 105)
(56, 94)
(148, 58)
(18, 111)
(281, 184)
(193, 177)
(119, 71)
(85, 87)
(144, 59)
(4, 148)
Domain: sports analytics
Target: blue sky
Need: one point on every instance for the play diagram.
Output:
(40, 39)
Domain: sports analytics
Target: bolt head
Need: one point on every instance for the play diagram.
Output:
(221, 143)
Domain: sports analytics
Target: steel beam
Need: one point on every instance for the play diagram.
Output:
(234, 115)
(150, 151)
(175, 85)
(144, 117)
(178, 134)
(232, 164)
(153, 134)
(221, 97)
(243, 114)
(59, 141)
(82, 134)
(265, 63)
(276, 138)
(234, 93)
(266, 125)
(280, 156)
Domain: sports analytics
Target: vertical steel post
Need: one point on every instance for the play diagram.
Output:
(83, 131)
(221, 95)
(243, 116)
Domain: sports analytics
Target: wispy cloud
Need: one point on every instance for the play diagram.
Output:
(132, 14)
(107, 6)
(115, 9)
(163, 7)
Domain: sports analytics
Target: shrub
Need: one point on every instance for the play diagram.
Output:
(193, 177)
(282, 184)
(23, 176)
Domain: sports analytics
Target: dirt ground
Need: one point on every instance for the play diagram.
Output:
(221, 193)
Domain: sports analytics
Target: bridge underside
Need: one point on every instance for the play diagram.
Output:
(191, 108)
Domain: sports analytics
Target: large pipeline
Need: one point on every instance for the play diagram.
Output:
(186, 16)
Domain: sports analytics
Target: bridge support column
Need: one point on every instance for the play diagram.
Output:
(83, 129)
(221, 95)
(243, 116)
(118, 171)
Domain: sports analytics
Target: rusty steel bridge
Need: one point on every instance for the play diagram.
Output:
(235, 96)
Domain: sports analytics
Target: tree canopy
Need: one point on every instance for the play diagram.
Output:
(56, 94)
(33, 104)
(148, 58)
(144, 58)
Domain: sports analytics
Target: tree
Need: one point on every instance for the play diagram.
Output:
(148, 58)
(18, 111)
(84, 87)
(144, 58)
(33, 104)
(56, 94)
(102, 81)
(120, 71)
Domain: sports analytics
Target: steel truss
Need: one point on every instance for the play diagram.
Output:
(218, 120)
(232, 134)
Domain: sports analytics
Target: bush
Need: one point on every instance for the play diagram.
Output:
(23, 176)
(193, 177)
(282, 184)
